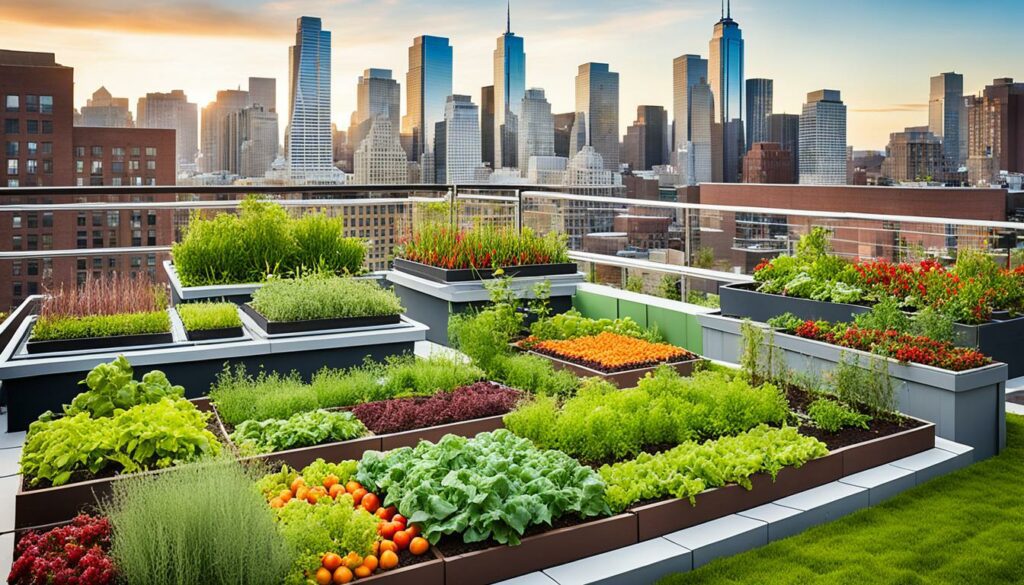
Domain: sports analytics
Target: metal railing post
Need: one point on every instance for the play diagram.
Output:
(519, 210)
(453, 197)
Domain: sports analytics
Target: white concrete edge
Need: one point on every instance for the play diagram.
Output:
(651, 300)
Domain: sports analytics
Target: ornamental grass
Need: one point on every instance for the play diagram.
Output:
(484, 246)
(103, 307)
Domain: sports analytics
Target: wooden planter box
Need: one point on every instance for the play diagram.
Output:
(667, 516)
(425, 573)
(444, 275)
(623, 379)
(311, 325)
(541, 551)
(967, 407)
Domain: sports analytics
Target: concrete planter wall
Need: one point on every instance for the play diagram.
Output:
(432, 303)
(999, 339)
(34, 384)
(967, 407)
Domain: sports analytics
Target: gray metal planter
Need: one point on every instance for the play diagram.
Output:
(432, 303)
(967, 407)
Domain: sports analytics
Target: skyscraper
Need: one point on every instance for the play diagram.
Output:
(646, 142)
(946, 116)
(563, 130)
(823, 139)
(536, 129)
(106, 111)
(578, 134)
(509, 87)
(427, 87)
(462, 139)
(173, 110)
(915, 154)
(380, 158)
(695, 157)
(263, 92)
(725, 76)
(487, 124)
(597, 98)
(759, 107)
(308, 141)
(213, 134)
(251, 141)
(995, 121)
(687, 71)
(784, 130)
(376, 94)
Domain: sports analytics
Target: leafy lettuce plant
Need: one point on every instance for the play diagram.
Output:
(493, 486)
(304, 429)
(832, 416)
(112, 387)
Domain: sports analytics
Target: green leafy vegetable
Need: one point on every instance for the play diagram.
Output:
(111, 387)
(832, 416)
(303, 429)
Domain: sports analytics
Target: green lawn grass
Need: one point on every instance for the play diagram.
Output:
(966, 527)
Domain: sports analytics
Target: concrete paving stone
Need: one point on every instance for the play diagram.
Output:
(782, 522)
(636, 564)
(933, 463)
(9, 461)
(825, 503)
(8, 488)
(536, 578)
(722, 537)
(882, 482)
(6, 553)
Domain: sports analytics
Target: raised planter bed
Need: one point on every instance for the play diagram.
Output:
(89, 343)
(281, 327)
(540, 551)
(623, 379)
(444, 275)
(667, 516)
(54, 505)
(967, 407)
(427, 572)
(1000, 339)
(211, 334)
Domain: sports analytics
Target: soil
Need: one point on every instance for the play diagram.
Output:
(800, 399)
(407, 559)
(453, 545)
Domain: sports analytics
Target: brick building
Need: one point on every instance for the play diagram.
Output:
(768, 162)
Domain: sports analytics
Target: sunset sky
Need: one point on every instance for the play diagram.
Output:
(879, 53)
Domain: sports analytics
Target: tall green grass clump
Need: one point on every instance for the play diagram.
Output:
(321, 296)
(201, 524)
(206, 316)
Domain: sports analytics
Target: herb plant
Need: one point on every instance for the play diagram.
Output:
(303, 429)
(324, 297)
(831, 416)
(206, 316)
(328, 525)
(479, 400)
(495, 485)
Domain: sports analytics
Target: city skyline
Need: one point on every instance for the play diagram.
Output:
(884, 93)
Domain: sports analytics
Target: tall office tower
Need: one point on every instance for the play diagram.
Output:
(251, 137)
(173, 110)
(536, 129)
(784, 130)
(263, 92)
(694, 157)
(213, 134)
(376, 94)
(563, 130)
(995, 128)
(759, 106)
(509, 87)
(687, 71)
(725, 75)
(308, 138)
(105, 111)
(597, 99)
(427, 87)
(578, 134)
(823, 139)
(914, 155)
(462, 139)
(487, 125)
(380, 158)
(646, 142)
(945, 116)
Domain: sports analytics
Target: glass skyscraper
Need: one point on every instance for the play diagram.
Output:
(687, 72)
(823, 139)
(428, 85)
(509, 88)
(597, 99)
(309, 99)
(759, 107)
(725, 75)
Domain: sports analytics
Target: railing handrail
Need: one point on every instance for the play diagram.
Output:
(692, 271)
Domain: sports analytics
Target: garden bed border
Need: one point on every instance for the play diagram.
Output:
(316, 325)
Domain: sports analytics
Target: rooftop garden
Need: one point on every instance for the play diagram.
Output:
(484, 246)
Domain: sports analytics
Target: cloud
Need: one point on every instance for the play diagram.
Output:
(893, 108)
(165, 17)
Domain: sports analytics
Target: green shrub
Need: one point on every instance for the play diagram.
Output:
(871, 387)
(51, 328)
(324, 297)
(303, 429)
(260, 241)
(831, 416)
(573, 324)
(111, 387)
(691, 468)
(602, 422)
(205, 316)
(202, 524)
(534, 374)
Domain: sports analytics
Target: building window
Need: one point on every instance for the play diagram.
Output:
(47, 126)
(46, 104)
(31, 103)
(133, 165)
(15, 242)
(97, 219)
(136, 219)
(151, 182)
(97, 167)
(17, 290)
(16, 268)
(12, 182)
(79, 151)
(151, 218)
(11, 103)
(135, 151)
(12, 148)
(150, 151)
(117, 167)
(12, 126)
(33, 267)
(136, 261)
(80, 220)
(32, 126)
(33, 288)
(113, 218)
(31, 165)
(136, 238)
(115, 182)
(97, 239)
(117, 151)
(47, 219)
(33, 220)
(151, 165)
(47, 241)
(47, 166)
(12, 166)
(80, 238)
(32, 242)
(96, 181)
(79, 166)
(47, 148)
(16, 221)
(97, 151)
(151, 238)
(31, 148)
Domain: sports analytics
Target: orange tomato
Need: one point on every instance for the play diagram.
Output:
(370, 562)
(400, 519)
(358, 495)
(388, 560)
(331, 561)
(330, 480)
(387, 529)
(418, 546)
(336, 490)
(402, 539)
(285, 495)
(297, 483)
(277, 503)
(376, 548)
(362, 572)
(342, 575)
(353, 560)
(413, 531)
(323, 576)
(302, 492)
(386, 513)
(312, 497)
(370, 503)
(387, 545)
(352, 486)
